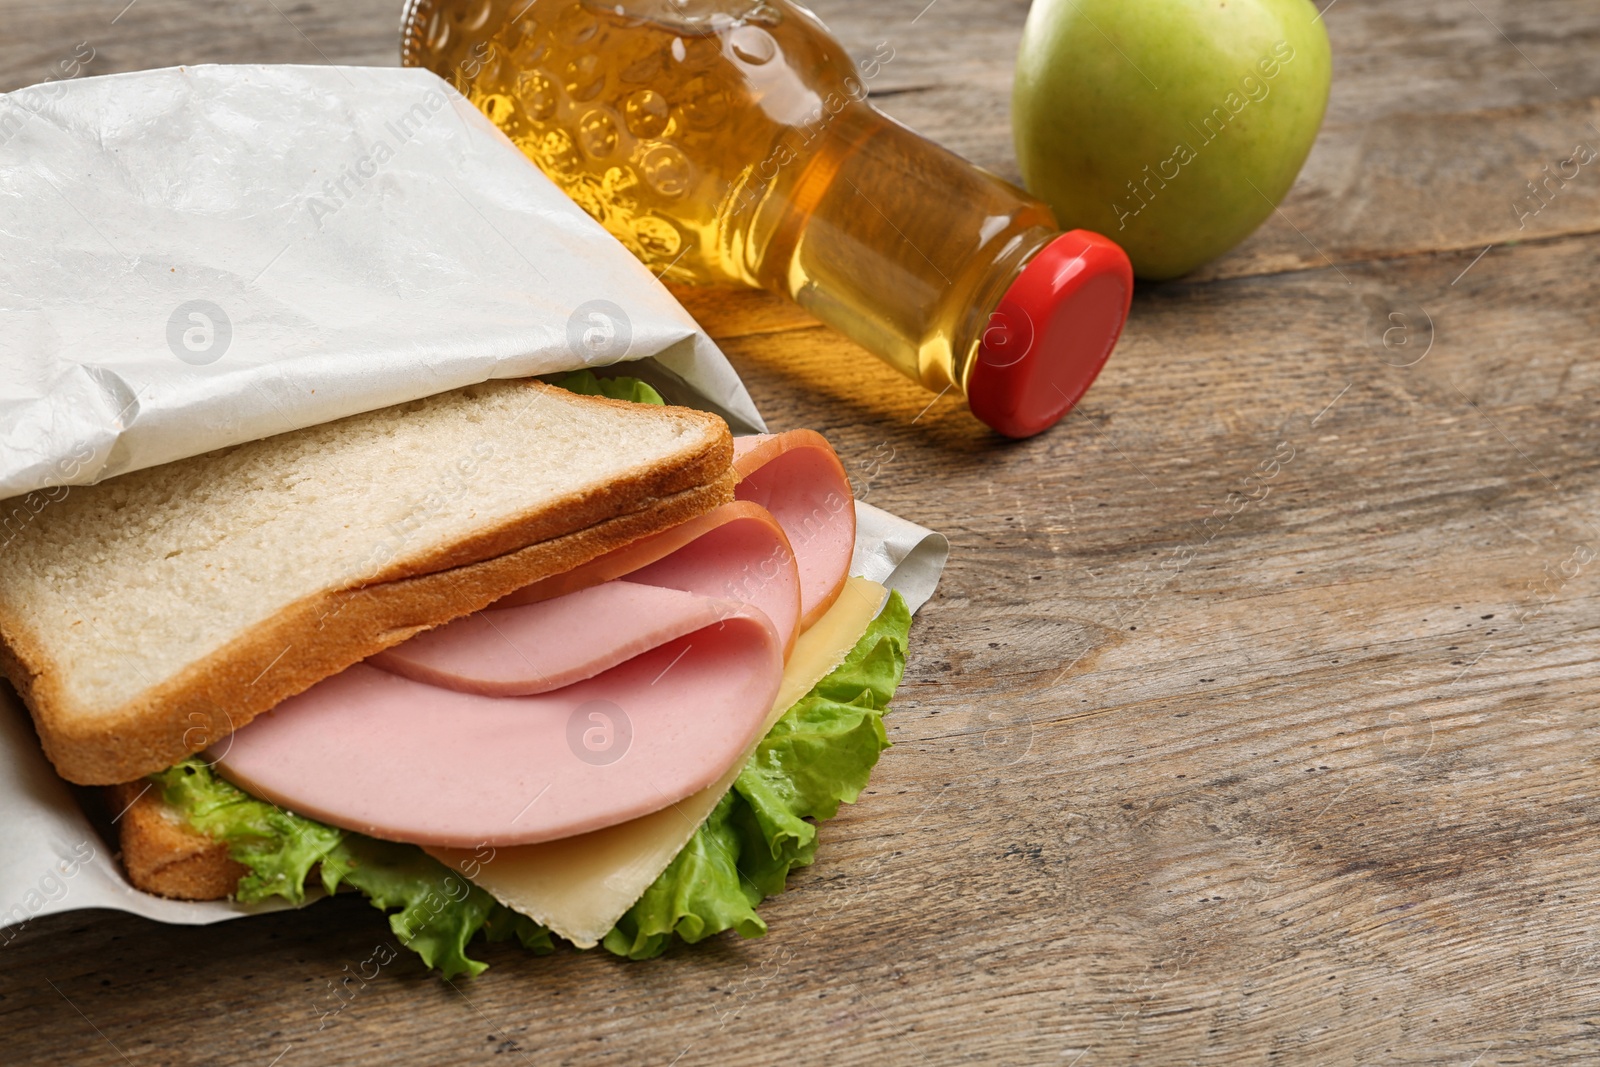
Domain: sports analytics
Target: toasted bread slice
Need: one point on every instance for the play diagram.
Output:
(163, 854)
(149, 616)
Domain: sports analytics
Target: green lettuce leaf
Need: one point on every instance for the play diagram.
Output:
(279, 849)
(817, 756)
(620, 388)
(439, 910)
(699, 894)
(503, 924)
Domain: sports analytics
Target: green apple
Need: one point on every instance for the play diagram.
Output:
(1174, 127)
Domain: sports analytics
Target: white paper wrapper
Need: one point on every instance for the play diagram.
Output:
(132, 196)
(898, 554)
(52, 859)
(199, 256)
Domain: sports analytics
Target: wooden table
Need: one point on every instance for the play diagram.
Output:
(1178, 779)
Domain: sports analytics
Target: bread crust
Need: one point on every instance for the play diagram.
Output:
(321, 635)
(164, 855)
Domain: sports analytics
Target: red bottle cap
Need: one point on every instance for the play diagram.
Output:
(1051, 333)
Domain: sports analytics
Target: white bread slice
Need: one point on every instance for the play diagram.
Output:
(163, 854)
(149, 616)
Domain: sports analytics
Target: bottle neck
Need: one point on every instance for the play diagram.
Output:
(897, 243)
(1003, 271)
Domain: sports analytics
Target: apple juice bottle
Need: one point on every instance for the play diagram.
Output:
(731, 142)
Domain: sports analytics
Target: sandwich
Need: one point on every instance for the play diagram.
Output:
(536, 661)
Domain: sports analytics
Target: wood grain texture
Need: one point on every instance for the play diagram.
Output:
(1255, 720)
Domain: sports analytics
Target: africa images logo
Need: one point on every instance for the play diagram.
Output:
(599, 732)
(199, 332)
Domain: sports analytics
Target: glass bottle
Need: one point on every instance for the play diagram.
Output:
(731, 142)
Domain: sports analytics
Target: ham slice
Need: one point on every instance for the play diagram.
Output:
(798, 478)
(395, 758)
(532, 649)
(737, 551)
(793, 480)
(582, 701)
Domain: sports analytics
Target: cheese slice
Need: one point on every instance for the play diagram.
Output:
(580, 886)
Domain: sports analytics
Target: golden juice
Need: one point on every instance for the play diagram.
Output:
(731, 143)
